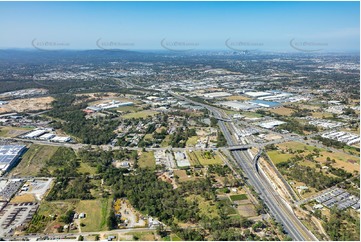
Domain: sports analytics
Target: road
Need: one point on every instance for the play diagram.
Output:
(277, 206)
(67, 235)
(77, 146)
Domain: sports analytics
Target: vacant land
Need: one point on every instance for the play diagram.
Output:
(182, 175)
(347, 162)
(141, 114)
(206, 158)
(193, 159)
(278, 157)
(207, 208)
(146, 160)
(240, 98)
(28, 197)
(282, 111)
(322, 115)
(251, 114)
(247, 210)
(97, 212)
(192, 141)
(27, 104)
(86, 168)
(12, 132)
(224, 200)
(165, 142)
(48, 215)
(142, 236)
(33, 160)
(148, 136)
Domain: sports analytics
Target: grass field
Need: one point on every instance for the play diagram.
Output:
(141, 114)
(342, 160)
(165, 141)
(33, 160)
(352, 149)
(296, 146)
(147, 159)
(192, 141)
(207, 208)
(97, 212)
(148, 136)
(238, 197)
(85, 167)
(345, 161)
(282, 111)
(183, 175)
(11, 132)
(193, 159)
(208, 160)
(251, 114)
(174, 237)
(278, 157)
(143, 236)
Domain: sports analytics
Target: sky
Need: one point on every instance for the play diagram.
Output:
(269, 26)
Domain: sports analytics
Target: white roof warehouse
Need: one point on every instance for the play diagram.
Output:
(9, 155)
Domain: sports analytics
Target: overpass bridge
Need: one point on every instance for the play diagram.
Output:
(239, 147)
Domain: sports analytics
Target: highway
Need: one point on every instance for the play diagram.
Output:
(277, 206)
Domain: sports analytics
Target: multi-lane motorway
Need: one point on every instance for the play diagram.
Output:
(277, 206)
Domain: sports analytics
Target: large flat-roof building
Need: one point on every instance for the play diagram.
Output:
(270, 124)
(109, 105)
(9, 155)
(35, 133)
(265, 104)
(217, 94)
(236, 105)
(258, 94)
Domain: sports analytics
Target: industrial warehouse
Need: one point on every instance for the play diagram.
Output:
(109, 105)
(9, 155)
(44, 134)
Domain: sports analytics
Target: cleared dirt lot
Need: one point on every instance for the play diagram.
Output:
(27, 105)
(282, 111)
(239, 98)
